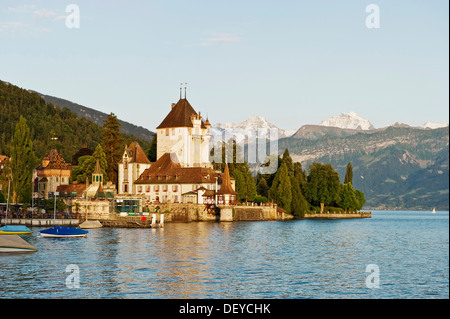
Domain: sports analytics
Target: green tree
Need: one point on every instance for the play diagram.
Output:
(86, 165)
(112, 145)
(299, 204)
(323, 185)
(349, 174)
(152, 151)
(245, 183)
(262, 188)
(288, 160)
(22, 163)
(360, 199)
(281, 190)
(347, 197)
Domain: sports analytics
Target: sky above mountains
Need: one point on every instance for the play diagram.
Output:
(292, 62)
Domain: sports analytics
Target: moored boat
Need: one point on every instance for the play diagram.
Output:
(89, 224)
(15, 229)
(14, 243)
(63, 232)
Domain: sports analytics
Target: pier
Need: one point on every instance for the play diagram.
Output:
(37, 222)
(339, 215)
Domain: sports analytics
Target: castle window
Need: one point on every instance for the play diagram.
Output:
(167, 132)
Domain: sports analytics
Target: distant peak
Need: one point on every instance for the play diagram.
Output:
(348, 121)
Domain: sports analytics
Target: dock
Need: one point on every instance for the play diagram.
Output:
(338, 215)
(38, 222)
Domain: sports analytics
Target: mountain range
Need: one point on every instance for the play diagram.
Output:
(397, 167)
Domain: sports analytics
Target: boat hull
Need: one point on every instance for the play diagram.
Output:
(62, 236)
(90, 224)
(15, 250)
(15, 229)
(13, 243)
(63, 232)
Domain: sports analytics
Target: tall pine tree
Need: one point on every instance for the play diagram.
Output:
(112, 145)
(349, 174)
(281, 190)
(22, 163)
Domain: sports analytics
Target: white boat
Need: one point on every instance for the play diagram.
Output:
(434, 211)
(89, 224)
(14, 243)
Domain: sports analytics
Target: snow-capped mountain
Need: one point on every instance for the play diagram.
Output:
(348, 120)
(250, 127)
(434, 125)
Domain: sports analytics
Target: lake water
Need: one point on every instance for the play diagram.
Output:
(276, 260)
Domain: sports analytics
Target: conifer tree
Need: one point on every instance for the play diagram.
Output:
(112, 145)
(22, 163)
(245, 183)
(349, 174)
(152, 151)
(288, 160)
(262, 187)
(284, 189)
(281, 190)
(299, 205)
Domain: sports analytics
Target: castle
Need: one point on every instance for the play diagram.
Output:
(182, 172)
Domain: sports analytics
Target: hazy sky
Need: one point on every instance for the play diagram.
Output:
(292, 62)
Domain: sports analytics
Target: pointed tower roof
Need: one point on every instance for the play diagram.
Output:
(136, 153)
(179, 116)
(97, 169)
(226, 184)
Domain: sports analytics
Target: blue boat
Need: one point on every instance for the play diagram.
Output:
(63, 232)
(15, 229)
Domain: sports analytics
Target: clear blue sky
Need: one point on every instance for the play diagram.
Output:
(292, 62)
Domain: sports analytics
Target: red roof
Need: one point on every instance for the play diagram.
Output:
(136, 154)
(180, 116)
(56, 161)
(226, 183)
(164, 171)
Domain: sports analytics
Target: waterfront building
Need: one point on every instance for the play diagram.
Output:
(185, 136)
(94, 200)
(51, 173)
(182, 172)
(133, 163)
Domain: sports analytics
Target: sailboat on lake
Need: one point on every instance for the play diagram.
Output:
(61, 231)
(434, 211)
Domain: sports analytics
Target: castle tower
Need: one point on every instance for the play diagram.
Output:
(185, 136)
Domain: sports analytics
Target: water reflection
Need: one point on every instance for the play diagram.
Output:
(292, 259)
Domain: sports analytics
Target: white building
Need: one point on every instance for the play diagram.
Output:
(184, 134)
(182, 172)
(133, 163)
